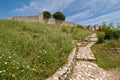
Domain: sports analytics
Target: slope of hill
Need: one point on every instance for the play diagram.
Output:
(107, 54)
(34, 51)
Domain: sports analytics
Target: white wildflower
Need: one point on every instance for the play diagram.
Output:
(22, 70)
(13, 75)
(0, 72)
(3, 70)
(6, 63)
(28, 66)
(45, 51)
(2, 54)
(34, 69)
(40, 51)
(9, 57)
(23, 65)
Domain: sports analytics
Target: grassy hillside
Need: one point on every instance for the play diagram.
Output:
(33, 51)
(105, 50)
(106, 58)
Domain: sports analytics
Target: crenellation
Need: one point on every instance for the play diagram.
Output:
(39, 18)
(93, 28)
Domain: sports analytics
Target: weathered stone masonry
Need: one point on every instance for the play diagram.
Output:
(39, 18)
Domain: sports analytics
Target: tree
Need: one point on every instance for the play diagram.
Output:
(80, 26)
(111, 26)
(46, 14)
(104, 27)
(118, 26)
(59, 16)
(101, 37)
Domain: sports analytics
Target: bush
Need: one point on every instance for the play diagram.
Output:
(117, 34)
(112, 34)
(104, 27)
(64, 29)
(59, 16)
(72, 29)
(46, 14)
(109, 34)
(101, 37)
(80, 26)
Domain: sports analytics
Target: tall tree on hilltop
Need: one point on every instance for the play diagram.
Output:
(46, 14)
(59, 16)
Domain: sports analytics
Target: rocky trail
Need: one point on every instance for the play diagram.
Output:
(85, 67)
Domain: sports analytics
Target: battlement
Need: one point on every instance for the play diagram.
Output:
(39, 18)
(93, 28)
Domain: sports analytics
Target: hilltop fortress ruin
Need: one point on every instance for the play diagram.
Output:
(39, 18)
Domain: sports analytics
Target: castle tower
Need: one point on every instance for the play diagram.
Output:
(10, 18)
(40, 18)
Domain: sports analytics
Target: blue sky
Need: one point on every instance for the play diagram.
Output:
(79, 11)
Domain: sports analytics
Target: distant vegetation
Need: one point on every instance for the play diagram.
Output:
(80, 26)
(108, 37)
(108, 32)
(47, 14)
(34, 51)
(59, 16)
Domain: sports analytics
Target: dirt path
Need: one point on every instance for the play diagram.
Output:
(85, 67)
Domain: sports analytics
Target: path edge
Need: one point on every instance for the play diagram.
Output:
(62, 72)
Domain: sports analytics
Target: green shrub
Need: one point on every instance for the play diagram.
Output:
(64, 29)
(80, 26)
(117, 34)
(46, 14)
(104, 27)
(72, 29)
(109, 34)
(59, 16)
(112, 34)
(101, 36)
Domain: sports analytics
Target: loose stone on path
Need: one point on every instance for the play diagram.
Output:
(84, 69)
(84, 53)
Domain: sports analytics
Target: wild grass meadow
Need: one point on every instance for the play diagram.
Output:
(34, 51)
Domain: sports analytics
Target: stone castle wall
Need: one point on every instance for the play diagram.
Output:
(25, 18)
(39, 18)
(93, 28)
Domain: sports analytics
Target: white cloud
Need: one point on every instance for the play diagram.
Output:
(79, 16)
(97, 12)
(111, 17)
(80, 11)
(37, 6)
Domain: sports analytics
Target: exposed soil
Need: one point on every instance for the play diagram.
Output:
(115, 74)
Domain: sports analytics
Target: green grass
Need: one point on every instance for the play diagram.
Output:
(106, 58)
(34, 51)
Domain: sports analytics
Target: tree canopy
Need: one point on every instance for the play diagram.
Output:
(46, 14)
(59, 16)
